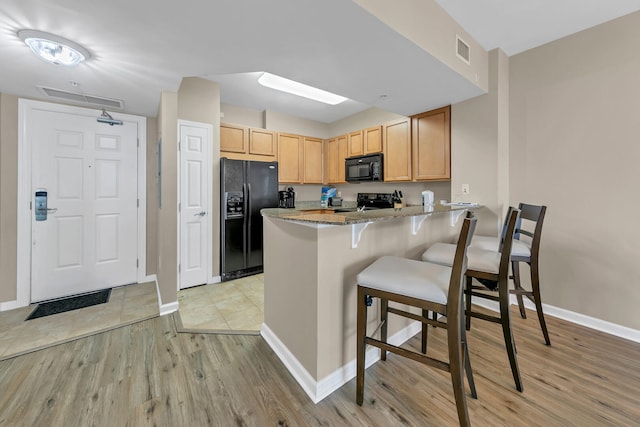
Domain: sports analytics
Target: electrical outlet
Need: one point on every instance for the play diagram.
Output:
(465, 188)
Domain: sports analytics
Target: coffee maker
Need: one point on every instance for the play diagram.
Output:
(287, 198)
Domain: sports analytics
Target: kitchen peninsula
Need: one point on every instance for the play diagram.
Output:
(311, 260)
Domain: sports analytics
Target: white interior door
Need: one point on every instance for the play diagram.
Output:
(89, 239)
(195, 206)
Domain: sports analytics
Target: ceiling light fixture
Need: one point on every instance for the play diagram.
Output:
(285, 85)
(54, 49)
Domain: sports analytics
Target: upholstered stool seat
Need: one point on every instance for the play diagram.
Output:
(519, 248)
(408, 277)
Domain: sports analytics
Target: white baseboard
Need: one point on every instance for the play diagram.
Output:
(149, 278)
(570, 316)
(214, 279)
(318, 390)
(10, 305)
(167, 308)
(588, 321)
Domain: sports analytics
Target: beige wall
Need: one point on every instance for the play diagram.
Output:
(426, 24)
(480, 147)
(286, 123)
(574, 146)
(364, 119)
(167, 232)
(241, 116)
(152, 195)
(8, 196)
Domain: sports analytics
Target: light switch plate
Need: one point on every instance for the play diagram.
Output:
(465, 188)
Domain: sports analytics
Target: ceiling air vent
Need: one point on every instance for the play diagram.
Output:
(462, 50)
(82, 98)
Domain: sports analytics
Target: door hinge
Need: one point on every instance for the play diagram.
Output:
(138, 203)
(179, 207)
(179, 267)
(137, 263)
(30, 208)
(138, 142)
(179, 145)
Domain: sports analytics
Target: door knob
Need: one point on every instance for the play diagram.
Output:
(202, 213)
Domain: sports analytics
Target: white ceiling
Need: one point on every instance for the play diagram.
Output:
(141, 47)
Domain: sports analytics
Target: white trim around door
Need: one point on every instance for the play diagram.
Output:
(25, 110)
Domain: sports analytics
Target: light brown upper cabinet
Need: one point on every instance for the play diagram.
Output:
(245, 143)
(431, 144)
(313, 167)
(262, 142)
(356, 144)
(289, 158)
(396, 137)
(234, 139)
(373, 140)
(336, 152)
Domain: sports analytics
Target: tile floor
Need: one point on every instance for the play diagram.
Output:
(231, 307)
(127, 304)
(235, 307)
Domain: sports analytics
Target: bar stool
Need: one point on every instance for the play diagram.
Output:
(427, 286)
(491, 269)
(527, 251)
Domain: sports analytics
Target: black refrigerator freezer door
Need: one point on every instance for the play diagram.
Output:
(262, 192)
(246, 188)
(234, 249)
(233, 230)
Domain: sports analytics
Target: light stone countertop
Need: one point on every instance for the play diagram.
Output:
(315, 214)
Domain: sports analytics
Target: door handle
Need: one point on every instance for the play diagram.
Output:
(202, 213)
(52, 210)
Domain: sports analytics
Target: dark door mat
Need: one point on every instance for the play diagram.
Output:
(70, 303)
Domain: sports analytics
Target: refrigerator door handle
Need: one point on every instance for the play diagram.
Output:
(248, 214)
(245, 233)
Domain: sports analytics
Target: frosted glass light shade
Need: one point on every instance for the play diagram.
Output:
(54, 49)
(290, 86)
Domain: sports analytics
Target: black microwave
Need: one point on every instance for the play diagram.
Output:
(363, 168)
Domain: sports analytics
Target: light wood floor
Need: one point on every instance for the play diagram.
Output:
(148, 374)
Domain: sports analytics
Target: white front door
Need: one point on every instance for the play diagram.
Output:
(195, 206)
(89, 171)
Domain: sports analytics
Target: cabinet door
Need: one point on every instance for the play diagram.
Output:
(343, 142)
(431, 140)
(262, 142)
(313, 164)
(331, 160)
(233, 138)
(289, 158)
(336, 152)
(356, 144)
(396, 137)
(373, 140)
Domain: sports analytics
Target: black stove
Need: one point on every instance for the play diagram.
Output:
(369, 201)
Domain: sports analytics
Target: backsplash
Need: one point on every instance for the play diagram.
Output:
(411, 190)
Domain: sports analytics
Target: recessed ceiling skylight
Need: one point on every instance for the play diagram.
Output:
(285, 85)
(54, 49)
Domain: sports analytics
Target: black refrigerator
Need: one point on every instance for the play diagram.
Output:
(246, 188)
